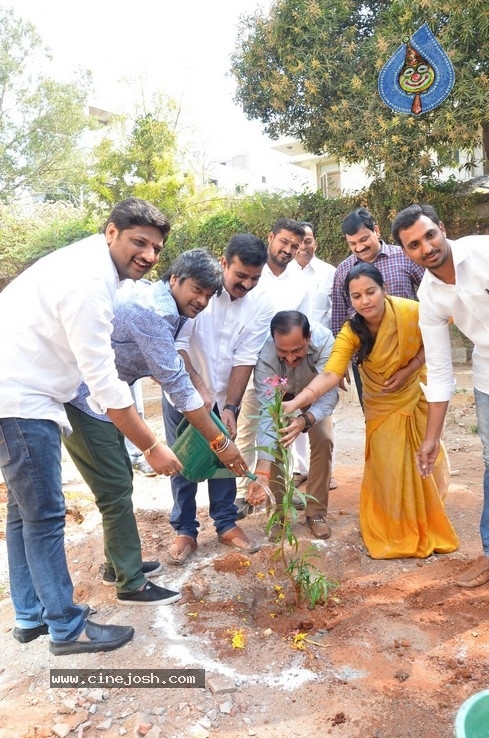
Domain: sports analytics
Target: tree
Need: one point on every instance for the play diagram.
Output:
(309, 69)
(149, 162)
(145, 163)
(40, 119)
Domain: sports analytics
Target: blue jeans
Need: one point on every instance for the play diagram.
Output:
(222, 492)
(40, 584)
(482, 408)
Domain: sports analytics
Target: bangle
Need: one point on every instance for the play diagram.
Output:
(263, 473)
(148, 450)
(310, 390)
(217, 441)
(223, 446)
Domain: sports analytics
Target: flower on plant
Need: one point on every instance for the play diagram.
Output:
(275, 383)
(277, 387)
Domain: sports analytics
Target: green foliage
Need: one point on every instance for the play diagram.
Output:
(26, 235)
(313, 587)
(326, 215)
(260, 210)
(210, 221)
(142, 164)
(215, 231)
(40, 119)
(309, 69)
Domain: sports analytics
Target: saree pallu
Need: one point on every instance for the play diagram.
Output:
(402, 515)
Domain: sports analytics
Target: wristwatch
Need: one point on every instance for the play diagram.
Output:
(234, 409)
(307, 421)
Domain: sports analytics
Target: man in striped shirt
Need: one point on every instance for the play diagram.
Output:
(401, 276)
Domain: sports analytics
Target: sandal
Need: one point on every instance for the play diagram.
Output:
(181, 550)
(236, 538)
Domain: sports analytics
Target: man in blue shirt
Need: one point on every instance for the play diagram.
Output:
(147, 319)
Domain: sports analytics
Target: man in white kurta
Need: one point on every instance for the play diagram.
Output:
(286, 290)
(220, 347)
(454, 289)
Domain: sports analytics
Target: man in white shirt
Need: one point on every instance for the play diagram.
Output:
(220, 348)
(287, 290)
(319, 276)
(285, 287)
(455, 288)
(56, 326)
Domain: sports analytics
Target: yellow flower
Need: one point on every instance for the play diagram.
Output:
(238, 639)
(298, 641)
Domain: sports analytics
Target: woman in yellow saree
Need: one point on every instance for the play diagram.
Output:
(401, 514)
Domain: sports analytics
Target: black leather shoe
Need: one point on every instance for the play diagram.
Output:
(101, 638)
(26, 635)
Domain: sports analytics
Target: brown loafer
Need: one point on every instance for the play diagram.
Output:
(476, 574)
(319, 527)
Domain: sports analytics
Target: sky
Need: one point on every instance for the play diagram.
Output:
(181, 48)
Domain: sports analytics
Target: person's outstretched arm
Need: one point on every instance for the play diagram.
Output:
(318, 386)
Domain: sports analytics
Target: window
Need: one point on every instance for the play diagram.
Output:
(330, 184)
